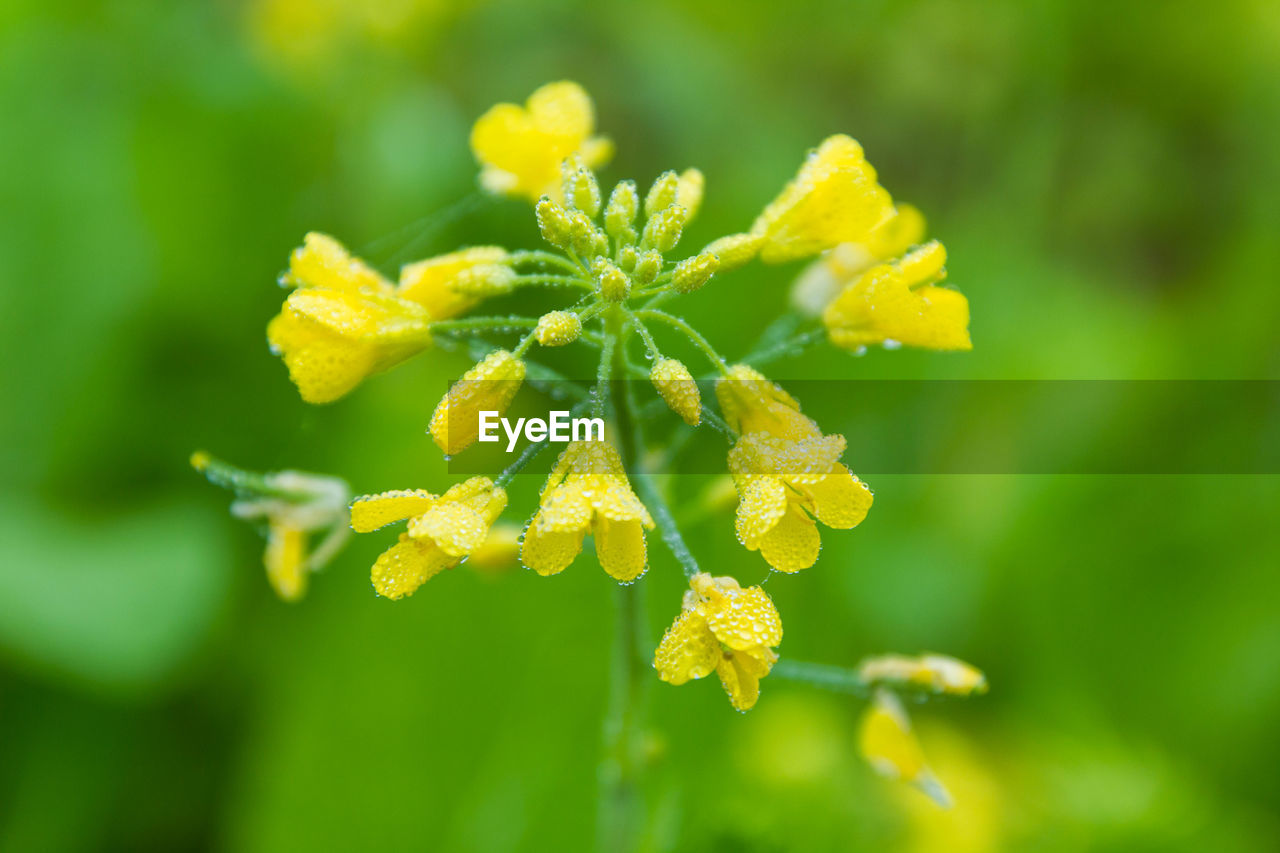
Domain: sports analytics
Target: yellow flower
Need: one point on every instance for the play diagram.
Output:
(897, 303)
(520, 149)
(588, 492)
(501, 549)
(676, 387)
(823, 280)
(343, 322)
(933, 672)
(725, 629)
(833, 199)
(783, 486)
(443, 530)
(751, 403)
(890, 747)
(453, 284)
(488, 386)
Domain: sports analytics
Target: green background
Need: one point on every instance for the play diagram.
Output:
(1104, 176)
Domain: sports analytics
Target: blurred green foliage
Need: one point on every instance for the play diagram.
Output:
(1104, 177)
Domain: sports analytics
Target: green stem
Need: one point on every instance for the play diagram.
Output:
(666, 523)
(565, 280)
(826, 676)
(791, 346)
(545, 258)
(694, 335)
(484, 323)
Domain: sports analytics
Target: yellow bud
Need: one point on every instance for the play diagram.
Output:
(662, 230)
(614, 285)
(579, 186)
(620, 213)
(554, 223)
(689, 191)
(647, 267)
(489, 386)
(691, 273)
(735, 250)
(485, 280)
(676, 386)
(627, 257)
(584, 236)
(558, 328)
(662, 194)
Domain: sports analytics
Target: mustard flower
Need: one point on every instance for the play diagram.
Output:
(520, 149)
(751, 403)
(452, 284)
(833, 199)
(488, 386)
(932, 672)
(725, 629)
(889, 745)
(588, 492)
(442, 530)
(898, 303)
(786, 486)
(342, 323)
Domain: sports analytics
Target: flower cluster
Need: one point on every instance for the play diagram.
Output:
(618, 256)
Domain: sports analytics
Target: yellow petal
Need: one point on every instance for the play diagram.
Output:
(500, 550)
(793, 544)
(890, 747)
(763, 503)
(286, 561)
(549, 552)
(838, 499)
(738, 675)
(371, 512)
(620, 548)
(323, 262)
(744, 619)
(751, 403)
(430, 283)
(407, 565)
(323, 365)
(688, 650)
(456, 529)
(833, 199)
(566, 508)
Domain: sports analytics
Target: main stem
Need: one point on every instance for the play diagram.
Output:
(620, 767)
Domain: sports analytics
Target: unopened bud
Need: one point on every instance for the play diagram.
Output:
(583, 234)
(485, 280)
(614, 285)
(691, 273)
(662, 194)
(620, 213)
(647, 267)
(579, 186)
(558, 328)
(554, 223)
(735, 251)
(689, 191)
(676, 386)
(627, 257)
(662, 230)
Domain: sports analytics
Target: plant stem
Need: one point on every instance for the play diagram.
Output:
(666, 523)
(826, 676)
(478, 323)
(698, 340)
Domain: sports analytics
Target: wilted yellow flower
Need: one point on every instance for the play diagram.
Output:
(751, 403)
(676, 386)
(890, 747)
(823, 280)
(520, 149)
(725, 629)
(588, 492)
(933, 672)
(833, 199)
(442, 530)
(343, 322)
(294, 506)
(449, 285)
(785, 487)
(488, 386)
(897, 303)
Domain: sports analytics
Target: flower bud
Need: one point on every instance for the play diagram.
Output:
(554, 223)
(734, 251)
(614, 285)
(485, 280)
(662, 194)
(620, 213)
(691, 273)
(627, 257)
(676, 386)
(647, 267)
(489, 386)
(584, 236)
(579, 186)
(558, 328)
(662, 230)
(689, 191)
